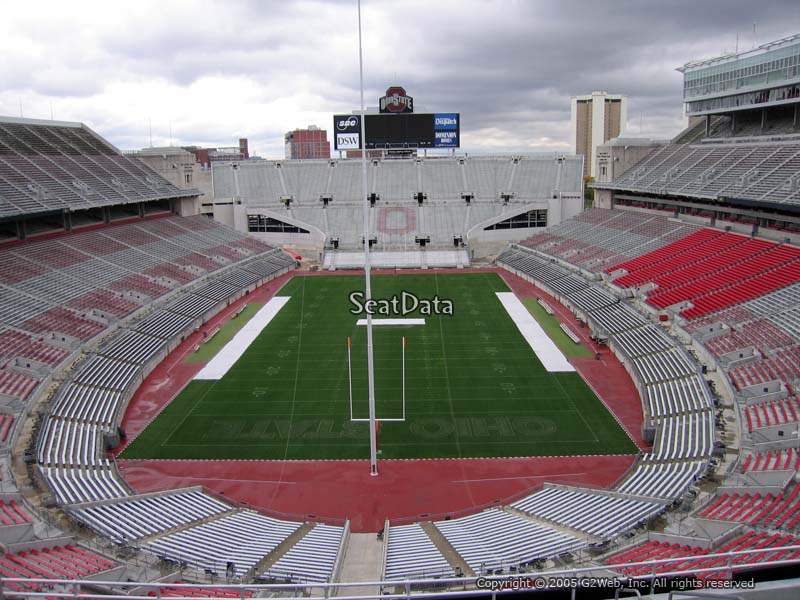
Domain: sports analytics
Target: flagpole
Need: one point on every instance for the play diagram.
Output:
(373, 438)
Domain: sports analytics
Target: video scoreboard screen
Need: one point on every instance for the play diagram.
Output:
(402, 130)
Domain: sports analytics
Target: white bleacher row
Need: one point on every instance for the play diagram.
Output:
(243, 538)
(410, 554)
(788, 321)
(217, 290)
(71, 486)
(617, 318)
(441, 178)
(661, 366)
(312, 558)
(68, 443)
(240, 278)
(775, 302)
(495, 539)
(162, 324)
(643, 340)
(193, 305)
(132, 347)
(582, 294)
(662, 480)
(597, 514)
(132, 518)
(682, 437)
(752, 171)
(687, 394)
(531, 264)
(16, 307)
(87, 404)
(592, 298)
(103, 372)
(568, 285)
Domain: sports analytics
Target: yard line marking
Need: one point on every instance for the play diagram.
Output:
(447, 374)
(296, 372)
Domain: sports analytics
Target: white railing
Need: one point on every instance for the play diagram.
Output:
(609, 576)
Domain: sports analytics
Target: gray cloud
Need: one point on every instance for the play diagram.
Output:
(219, 70)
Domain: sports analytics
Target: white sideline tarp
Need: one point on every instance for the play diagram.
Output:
(546, 351)
(233, 350)
(392, 322)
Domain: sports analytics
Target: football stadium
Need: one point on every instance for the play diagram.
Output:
(407, 375)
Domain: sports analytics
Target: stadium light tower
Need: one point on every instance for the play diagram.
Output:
(373, 442)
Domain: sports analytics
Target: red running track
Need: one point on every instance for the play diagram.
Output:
(405, 490)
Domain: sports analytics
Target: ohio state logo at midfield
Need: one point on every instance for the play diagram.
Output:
(396, 101)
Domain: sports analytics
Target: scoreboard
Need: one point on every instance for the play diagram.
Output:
(401, 130)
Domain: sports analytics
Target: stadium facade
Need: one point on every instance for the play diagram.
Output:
(737, 162)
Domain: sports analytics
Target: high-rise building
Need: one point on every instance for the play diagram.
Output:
(307, 143)
(596, 118)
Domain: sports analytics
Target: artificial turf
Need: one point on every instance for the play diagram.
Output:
(552, 327)
(474, 388)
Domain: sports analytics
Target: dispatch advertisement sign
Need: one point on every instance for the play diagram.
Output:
(446, 130)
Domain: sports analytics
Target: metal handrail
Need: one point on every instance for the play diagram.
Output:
(466, 586)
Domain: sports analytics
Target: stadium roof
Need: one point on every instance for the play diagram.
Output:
(731, 56)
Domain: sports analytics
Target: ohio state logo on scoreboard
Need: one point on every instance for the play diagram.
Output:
(396, 101)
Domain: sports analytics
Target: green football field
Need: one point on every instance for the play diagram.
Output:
(474, 388)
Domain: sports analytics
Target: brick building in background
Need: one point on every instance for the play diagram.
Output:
(205, 156)
(307, 143)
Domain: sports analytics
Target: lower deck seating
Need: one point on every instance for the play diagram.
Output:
(693, 556)
(57, 562)
(780, 365)
(595, 513)
(712, 270)
(243, 539)
(776, 460)
(312, 558)
(495, 540)
(196, 591)
(410, 554)
(132, 518)
(11, 513)
(17, 385)
(781, 511)
(770, 414)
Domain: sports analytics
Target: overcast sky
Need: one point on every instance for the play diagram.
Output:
(219, 70)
